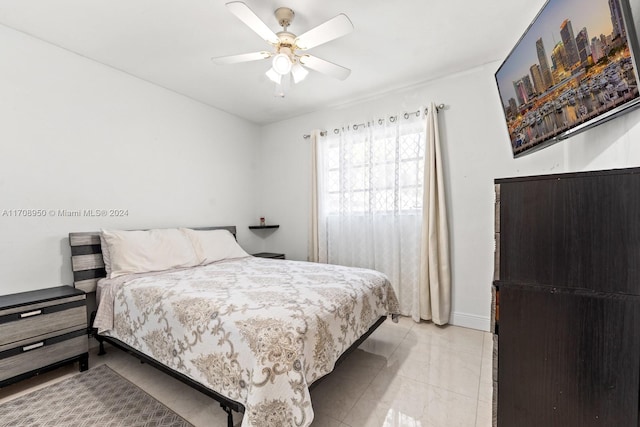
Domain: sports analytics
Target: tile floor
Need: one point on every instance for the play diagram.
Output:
(405, 374)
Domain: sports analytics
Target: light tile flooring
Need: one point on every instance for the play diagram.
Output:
(405, 374)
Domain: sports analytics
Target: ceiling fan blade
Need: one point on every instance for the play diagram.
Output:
(246, 15)
(325, 67)
(245, 57)
(330, 30)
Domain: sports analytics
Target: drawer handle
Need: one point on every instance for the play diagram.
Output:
(33, 346)
(30, 313)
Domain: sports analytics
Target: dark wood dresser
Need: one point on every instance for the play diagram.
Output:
(567, 299)
(41, 330)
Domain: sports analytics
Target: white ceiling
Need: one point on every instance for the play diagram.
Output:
(170, 42)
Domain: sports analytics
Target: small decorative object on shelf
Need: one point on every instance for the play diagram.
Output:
(262, 223)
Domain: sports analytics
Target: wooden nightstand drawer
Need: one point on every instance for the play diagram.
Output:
(33, 356)
(33, 322)
(40, 330)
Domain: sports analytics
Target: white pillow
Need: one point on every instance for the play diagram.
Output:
(146, 251)
(214, 245)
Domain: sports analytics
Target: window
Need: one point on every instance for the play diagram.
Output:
(375, 170)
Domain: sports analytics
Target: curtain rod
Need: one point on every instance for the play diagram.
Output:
(393, 118)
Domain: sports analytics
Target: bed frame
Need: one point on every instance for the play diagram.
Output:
(88, 267)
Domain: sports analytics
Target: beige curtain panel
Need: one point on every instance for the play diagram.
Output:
(435, 267)
(314, 249)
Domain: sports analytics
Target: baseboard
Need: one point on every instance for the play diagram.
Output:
(472, 321)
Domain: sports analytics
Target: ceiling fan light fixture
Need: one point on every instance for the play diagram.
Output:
(298, 72)
(274, 76)
(289, 66)
(281, 64)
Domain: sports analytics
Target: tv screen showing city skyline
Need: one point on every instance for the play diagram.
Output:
(573, 67)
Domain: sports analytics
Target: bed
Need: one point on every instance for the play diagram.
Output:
(255, 334)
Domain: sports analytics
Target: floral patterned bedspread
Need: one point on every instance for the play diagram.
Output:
(258, 331)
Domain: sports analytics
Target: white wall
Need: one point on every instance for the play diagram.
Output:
(78, 135)
(476, 151)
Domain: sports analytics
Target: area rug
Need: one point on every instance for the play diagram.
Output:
(97, 397)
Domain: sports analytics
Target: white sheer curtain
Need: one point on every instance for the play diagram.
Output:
(367, 205)
(370, 199)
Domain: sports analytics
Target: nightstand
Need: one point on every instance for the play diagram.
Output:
(269, 255)
(41, 330)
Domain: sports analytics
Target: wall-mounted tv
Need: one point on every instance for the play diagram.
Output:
(573, 68)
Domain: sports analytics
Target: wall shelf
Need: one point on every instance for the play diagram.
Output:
(269, 255)
(262, 227)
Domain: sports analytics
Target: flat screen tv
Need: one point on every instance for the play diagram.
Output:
(573, 68)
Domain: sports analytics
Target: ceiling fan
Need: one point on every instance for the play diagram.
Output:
(289, 60)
